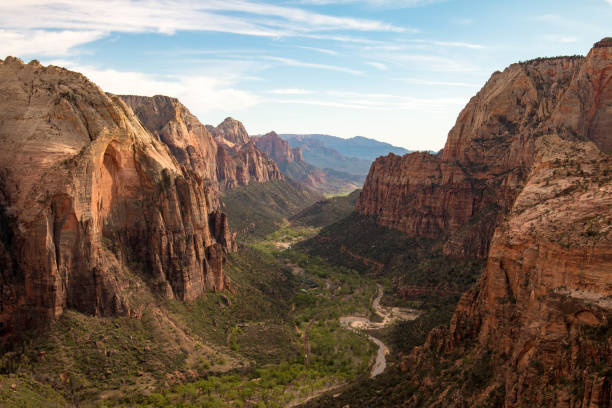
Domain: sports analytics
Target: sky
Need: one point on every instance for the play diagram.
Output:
(398, 71)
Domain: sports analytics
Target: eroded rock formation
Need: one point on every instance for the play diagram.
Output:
(539, 323)
(224, 155)
(462, 193)
(91, 202)
(536, 330)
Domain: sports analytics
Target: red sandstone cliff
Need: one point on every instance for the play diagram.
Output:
(536, 331)
(461, 194)
(224, 155)
(277, 148)
(88, 197)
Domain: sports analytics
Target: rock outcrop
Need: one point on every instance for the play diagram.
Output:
(224, 155)
(539, 322)
(91, 202)
(536, 331)
(278, 149)
(461, 194)
(230, 130)
(292, 164)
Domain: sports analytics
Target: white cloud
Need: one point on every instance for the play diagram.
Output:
(321, 50)
(40, 42)
(376, 3)
(375, 101)
(458, 44)
(377, 65)
(169, 16)
(201, 94)
(417, 81)
(561, 38)
(290, 91)
(295, 63)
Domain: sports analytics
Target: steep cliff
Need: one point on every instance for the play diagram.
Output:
(224, 155)
(292, 164)
(539, 322)
(89, 198)
(230, 130)
(461, 194)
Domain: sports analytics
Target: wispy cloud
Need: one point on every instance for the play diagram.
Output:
(376, 3)
(375, 101)
(377, 65)
(417, 81)
(40, 42)
(243, 17)
(290, 91)
(321, 50)
(201, 94)
(458, 44)
(561, 38)
(296, 63)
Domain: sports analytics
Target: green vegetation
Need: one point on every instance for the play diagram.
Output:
(326, 212)
(223, 349)
(260, 208)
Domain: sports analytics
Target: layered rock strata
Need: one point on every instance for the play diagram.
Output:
(536, 331)
(462, 193)
(89, 198)
(224, 155)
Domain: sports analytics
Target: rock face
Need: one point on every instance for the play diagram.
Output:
(537, 329)
(462, 193)
(229, 130)
(224, 155)
(278, 149)
(88, 197)
(541, 315)
(292, 164)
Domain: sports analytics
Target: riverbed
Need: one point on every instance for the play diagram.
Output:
(389, 315)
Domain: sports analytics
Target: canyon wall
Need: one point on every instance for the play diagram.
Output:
(536, 330)
(461, 194)
(224, 155)
(91, 203)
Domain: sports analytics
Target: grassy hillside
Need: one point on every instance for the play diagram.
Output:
(326, 212)
(260, 208)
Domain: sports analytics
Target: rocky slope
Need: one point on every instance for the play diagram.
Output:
(540, 318)
(461, 193)
(292, 164)
(91, 202)
(225, 155)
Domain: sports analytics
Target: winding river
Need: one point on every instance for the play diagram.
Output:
(389, 315)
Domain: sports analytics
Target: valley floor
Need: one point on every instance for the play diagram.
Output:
(230, 349)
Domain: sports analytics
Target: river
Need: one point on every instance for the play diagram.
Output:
(389, 315)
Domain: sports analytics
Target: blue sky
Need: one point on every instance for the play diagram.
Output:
(394, 70)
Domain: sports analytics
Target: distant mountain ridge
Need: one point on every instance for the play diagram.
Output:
(353, 156)
(292, 165)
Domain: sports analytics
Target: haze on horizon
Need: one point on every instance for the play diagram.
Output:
(398, 71)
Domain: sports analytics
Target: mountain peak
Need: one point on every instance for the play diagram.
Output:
(231, 130)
